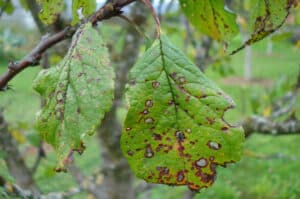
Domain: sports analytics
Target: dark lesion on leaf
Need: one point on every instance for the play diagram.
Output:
(145, 112)
(214, 145)
(157, 136)
(148, 151)
(59, 114)
(149, 120)
(149, 103)
(130, 153)
(180, 136)
(180, 176)
(155, 84)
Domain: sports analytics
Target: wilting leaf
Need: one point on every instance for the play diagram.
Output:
(174, 131)
(87, 7)
(50, 10)
(266, 17)
(78, 92)
(210, 17)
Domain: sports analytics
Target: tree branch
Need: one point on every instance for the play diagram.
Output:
(86, 183)
(107, 11)
(40, 154)
(282, 107)
(15, 191)
(266, 126)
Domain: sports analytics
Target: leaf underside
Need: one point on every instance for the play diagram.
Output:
(210, 17)
(78, 92)
(174, 132)
(266, 17)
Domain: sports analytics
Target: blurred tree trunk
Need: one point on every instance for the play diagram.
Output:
(14, 160)
(118, 179)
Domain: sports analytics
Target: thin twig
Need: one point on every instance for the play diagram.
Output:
(137, 28)
(15, 190)
(149, 5)
(107, 11)
(40, 155)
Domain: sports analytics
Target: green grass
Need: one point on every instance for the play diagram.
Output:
(268, 170)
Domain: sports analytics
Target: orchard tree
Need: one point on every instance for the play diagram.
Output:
(174, 132)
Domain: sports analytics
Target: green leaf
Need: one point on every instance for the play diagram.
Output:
(78, 92)
(7, 6)
(266, 17)
(174, 131)
(87, 6)
(210, 17)
(24, 4)
(50, 10)
(4, 172)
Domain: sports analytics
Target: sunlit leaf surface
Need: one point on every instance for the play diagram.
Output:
(211, 18)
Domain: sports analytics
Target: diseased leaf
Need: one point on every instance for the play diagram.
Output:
(87, 7)
(50, 10)
(174, 132)
(78, 92)
(266, 17)
(210, 17)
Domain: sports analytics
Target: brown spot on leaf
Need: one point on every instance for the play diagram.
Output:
(180, 136)
(145, 112)
(213, 145)
(180, 176)
(224, 128)
(202, 162)
(163, 170)
(159, 147)
(181, 80)
(173, 75)
(59, 114)
(187, 98)
(210, 120)
(157, 136)
(148, 152)
(149, 120)
(60, 97)
(149, 103)
(155, 84)
(193, 187)
(130, 153)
